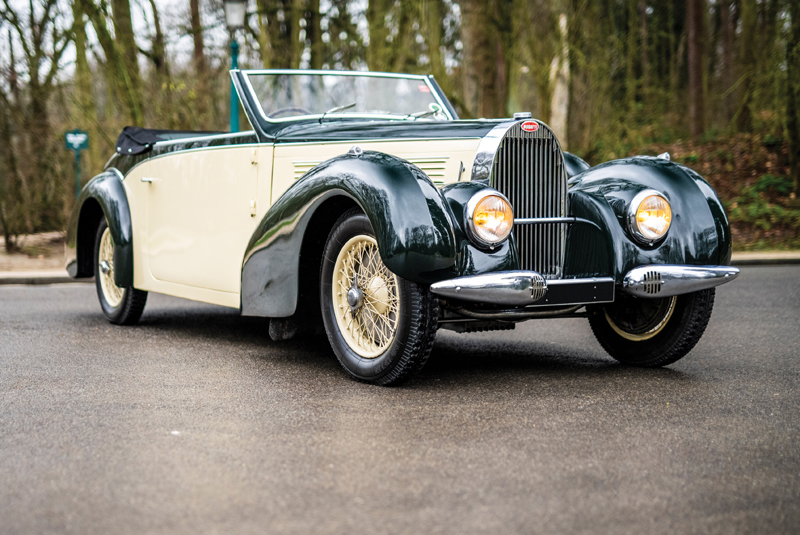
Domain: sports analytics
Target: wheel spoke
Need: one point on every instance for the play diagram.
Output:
(369, 328)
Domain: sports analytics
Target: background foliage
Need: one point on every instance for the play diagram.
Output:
(715, 82)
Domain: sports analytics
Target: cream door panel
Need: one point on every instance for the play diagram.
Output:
(199, 216)
(441, 160)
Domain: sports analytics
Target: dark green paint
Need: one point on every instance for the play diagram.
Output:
(311, 131)
(574, 164)
(106, 190)
(418, 228)
(124, 163)
(699, 234)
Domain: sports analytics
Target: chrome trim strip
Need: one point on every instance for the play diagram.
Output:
(197, 149)
(418, 77)
(375, 140)
(662, 280)
(117, 171)
(487, 151)
(203, 138)
(546, 220)
(501, 288)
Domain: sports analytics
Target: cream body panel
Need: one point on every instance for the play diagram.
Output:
(199, 214)
(440, 159)
(137, 192)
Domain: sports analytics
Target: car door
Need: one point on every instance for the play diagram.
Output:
(201, 212)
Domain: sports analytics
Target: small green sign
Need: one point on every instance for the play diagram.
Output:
(77, 140)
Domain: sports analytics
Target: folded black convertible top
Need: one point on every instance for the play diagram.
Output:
(137, 140)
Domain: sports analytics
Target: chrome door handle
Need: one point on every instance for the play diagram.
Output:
(146, 179)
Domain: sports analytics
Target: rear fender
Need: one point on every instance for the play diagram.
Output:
(103, 197)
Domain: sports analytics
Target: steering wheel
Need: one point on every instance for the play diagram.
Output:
(289, 110)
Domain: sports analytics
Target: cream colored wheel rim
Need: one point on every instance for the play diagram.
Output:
(368, 320)
(105, 270)
(652, 332)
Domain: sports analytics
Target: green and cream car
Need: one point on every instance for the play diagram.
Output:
(360, 204)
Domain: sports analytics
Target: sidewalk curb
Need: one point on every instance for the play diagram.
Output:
(764, 261)
(38, 277)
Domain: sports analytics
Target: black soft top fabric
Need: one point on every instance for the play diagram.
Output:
(137, 140)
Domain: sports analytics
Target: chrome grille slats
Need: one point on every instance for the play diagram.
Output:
(529, 170)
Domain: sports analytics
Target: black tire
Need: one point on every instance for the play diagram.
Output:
(415, 321)
(131, 304)
(651, 333)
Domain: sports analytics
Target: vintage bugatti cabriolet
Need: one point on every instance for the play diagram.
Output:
(360, 204)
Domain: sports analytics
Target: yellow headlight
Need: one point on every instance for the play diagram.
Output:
(653, 217)
(492, 218)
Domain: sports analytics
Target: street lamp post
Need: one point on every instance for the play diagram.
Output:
(235, 11)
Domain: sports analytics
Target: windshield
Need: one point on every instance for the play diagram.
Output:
(285, 95)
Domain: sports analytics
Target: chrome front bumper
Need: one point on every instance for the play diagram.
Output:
(660, 280)
(522, 288)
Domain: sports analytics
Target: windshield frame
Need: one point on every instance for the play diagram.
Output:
(435, 91)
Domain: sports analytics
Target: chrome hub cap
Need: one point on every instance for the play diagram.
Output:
(355, 298)
(112, 293)
(365, 297)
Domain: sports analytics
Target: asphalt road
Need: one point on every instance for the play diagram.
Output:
(195, 422)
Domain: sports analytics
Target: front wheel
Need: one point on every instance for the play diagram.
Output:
(122, 306)
(651, 332)
(381, 327)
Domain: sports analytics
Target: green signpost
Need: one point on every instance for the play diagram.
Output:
(77, 140)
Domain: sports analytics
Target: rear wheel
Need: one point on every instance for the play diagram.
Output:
(652, 332)
(123, 306)
(381, 327)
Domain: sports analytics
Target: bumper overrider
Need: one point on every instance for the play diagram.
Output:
(522, 288)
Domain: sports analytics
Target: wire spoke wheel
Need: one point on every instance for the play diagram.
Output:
(121, 305)
(105, 270)
(381, 326)
(365, 297)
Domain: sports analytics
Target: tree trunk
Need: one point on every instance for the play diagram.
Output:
(199, 60)
(728, 31)
(295, 45)
(158, 55)
(747, 54)
(485, 94)
(116, 69)
(129, 53)
(263, 37)
(793, 96)
(314, 34)
(630, 63)
(431, 25)
(559, 77)
(379, 50)
(645, 50)
(84, 98)
(695, 13)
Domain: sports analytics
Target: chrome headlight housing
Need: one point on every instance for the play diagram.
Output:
(489, 218)
(649, 217)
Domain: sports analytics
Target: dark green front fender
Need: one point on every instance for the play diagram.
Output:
(103, 197)
(699, 234)
(411, 220)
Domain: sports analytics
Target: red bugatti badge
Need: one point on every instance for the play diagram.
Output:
(530, 126)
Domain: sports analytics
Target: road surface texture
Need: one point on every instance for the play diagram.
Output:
(196, 422)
